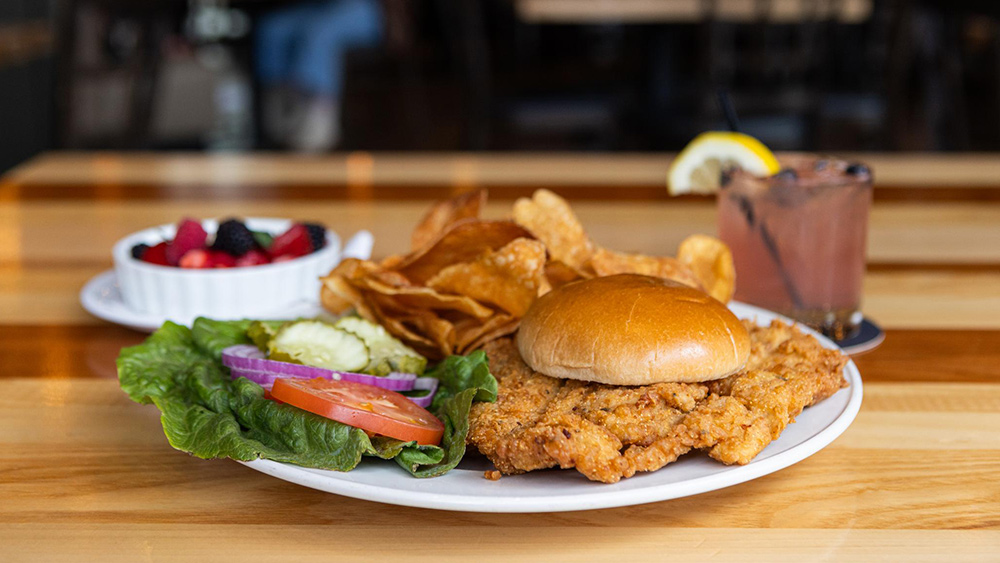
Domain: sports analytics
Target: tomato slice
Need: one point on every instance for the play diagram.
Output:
(363, 406)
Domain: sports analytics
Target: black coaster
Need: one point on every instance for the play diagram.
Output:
(866, 340)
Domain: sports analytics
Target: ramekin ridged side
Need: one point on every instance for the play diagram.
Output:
(223, 293)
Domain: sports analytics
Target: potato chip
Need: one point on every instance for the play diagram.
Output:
(544, 286)
(415, 297)
(463, 242)
(352, 269)
(608, 263)
(422, 329)
(552, 221)
(338, 292)
(396, 324)
(472, 337)
(559, 274)
(336, 295)
(391, 261)
(508, 278)
(445, 214)
(390, 277)
(712, 263)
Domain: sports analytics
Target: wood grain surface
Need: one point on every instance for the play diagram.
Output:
(86, 475)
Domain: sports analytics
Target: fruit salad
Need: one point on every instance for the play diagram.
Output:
(234, 245)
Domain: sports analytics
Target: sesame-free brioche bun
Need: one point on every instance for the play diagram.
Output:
(632, 330)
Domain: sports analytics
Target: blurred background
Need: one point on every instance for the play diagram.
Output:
(498, 75)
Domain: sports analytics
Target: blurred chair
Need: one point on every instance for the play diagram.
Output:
(929, 104)
(421, 90)
(26, 47)
(106, 76)
(775, 57)
(778, 64)
(386, 91)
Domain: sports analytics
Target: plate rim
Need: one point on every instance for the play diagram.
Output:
(596, 499)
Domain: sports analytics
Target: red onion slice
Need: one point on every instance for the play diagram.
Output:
(249, 362)
(249, 357)
(262, 378)
(424, 383)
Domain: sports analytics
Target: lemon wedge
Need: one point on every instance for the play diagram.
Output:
(698, 168)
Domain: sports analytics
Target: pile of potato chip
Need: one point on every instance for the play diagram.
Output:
(468, 281)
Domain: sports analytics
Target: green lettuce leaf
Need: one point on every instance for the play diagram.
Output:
(459, 373)
(462, 380)
(215, 336)
(209, 415)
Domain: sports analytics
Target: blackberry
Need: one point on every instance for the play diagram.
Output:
(234, 238)
(317, 235)
(858, 170)
(139, 250)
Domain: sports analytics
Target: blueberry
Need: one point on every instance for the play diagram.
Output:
(787, 174)
(857, 169)
(138, 250)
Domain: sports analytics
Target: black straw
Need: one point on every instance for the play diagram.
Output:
(729, 111)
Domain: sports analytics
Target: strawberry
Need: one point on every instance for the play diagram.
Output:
(220, 259)
(195, 258)
(156, 254)
(284, 258)
(190, 235)
(253, 258)
(295, 242)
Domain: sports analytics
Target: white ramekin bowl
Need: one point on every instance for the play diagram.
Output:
(222, 293)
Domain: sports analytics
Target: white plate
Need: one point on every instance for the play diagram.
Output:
(102, 297)
(562, 490)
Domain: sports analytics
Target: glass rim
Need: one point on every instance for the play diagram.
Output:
(742, 179)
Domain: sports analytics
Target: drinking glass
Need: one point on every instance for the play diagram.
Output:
(798, 239)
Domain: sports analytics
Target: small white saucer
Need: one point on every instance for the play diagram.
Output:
(866, 340)
(102, 298)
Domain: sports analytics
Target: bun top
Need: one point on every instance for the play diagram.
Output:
(629, 329)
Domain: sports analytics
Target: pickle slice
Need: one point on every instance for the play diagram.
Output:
(315, 343)
(387, 353)
(262, 332)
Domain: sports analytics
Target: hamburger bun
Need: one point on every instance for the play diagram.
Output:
(630, 329)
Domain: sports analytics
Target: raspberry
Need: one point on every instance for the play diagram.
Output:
(190, 235)
(220, 259)
(317, 235)
(138, 250)
(234, 237)
(156, 254)
(253, 258)
(294, 242)
(195, 258)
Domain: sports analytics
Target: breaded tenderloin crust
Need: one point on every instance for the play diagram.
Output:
(611, 432)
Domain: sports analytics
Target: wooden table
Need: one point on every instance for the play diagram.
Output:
(87, 475)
